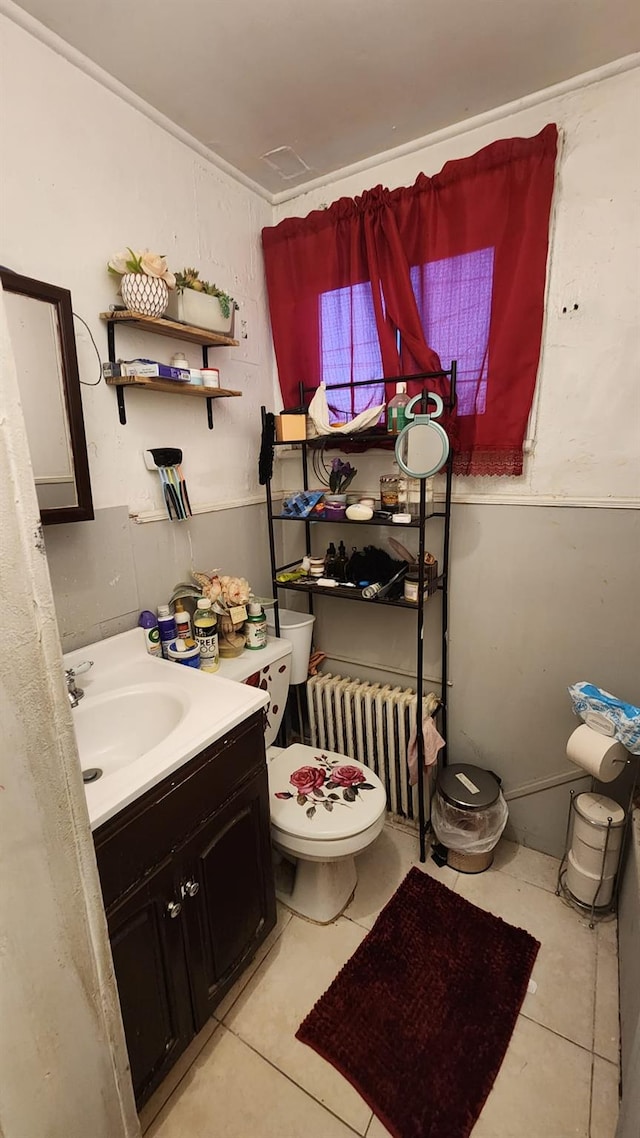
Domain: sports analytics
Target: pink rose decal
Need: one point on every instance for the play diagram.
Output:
(328, 785)
(347, 776)
(307, 779)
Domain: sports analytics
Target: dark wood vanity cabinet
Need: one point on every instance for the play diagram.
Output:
(187, 881)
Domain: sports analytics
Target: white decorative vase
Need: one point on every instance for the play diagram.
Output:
(149, 296)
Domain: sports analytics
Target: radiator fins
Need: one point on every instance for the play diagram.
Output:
(370, 723)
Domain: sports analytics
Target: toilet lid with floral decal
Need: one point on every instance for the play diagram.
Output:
(321, 794)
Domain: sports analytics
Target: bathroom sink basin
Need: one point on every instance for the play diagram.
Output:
(114, 729)
(141, 718)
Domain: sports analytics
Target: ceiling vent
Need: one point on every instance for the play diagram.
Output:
(286, 162)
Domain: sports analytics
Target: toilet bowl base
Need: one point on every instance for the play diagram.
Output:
(321, 890)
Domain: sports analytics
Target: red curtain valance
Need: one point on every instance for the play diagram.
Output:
(499, 200)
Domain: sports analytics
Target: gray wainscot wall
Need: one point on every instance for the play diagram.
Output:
(105, 571)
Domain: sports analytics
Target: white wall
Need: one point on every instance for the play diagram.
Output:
(84, 175)
(586, 448)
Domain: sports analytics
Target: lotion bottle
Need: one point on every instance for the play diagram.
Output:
(395, 410)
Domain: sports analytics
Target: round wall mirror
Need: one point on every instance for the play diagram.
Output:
(422, 447)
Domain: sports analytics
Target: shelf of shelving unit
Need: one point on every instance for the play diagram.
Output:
(340, 592)
(418, 522)
(413, 524)
(173, 328)
(177, 331)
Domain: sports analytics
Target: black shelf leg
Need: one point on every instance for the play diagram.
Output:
(210, 412)
(121, 407)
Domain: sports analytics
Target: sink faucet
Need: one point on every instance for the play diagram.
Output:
(75, 694)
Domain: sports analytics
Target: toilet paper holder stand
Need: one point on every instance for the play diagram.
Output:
(598, 912)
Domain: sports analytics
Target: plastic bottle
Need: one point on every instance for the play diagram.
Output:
(330, 561)
(148, 621)
(340, 571)
(205, 625)
(395, 410)
(183, 622)
(167, 626)
(255, 628)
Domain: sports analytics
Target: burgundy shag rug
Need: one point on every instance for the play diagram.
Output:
(419, 1019)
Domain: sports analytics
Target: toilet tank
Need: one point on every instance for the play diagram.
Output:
(266, 668)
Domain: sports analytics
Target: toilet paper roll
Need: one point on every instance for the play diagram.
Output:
(598, 754)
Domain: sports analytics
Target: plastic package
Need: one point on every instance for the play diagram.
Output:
(468, 831)
(598, 709)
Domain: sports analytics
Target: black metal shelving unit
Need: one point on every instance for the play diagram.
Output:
(439, 585)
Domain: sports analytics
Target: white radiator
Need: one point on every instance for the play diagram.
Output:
(370, 723)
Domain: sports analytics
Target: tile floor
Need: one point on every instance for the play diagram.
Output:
(560, 1075)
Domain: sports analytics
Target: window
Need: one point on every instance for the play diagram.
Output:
(454, 301)
(350, 351)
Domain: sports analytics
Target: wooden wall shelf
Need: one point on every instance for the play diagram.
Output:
(172, 387)
(173, 328)
(161, 327)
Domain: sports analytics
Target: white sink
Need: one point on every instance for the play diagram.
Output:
(114, 729)
(141, 718)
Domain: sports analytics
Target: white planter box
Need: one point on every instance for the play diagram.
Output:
(190, 307)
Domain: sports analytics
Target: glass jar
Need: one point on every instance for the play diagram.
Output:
(411, 585)
(389, 493)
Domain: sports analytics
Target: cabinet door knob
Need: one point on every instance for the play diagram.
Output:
(174, 909)
(190, 888)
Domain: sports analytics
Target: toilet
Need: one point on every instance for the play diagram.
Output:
(325, 808)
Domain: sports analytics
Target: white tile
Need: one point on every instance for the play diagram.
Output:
(565, 966)
(382, 868)
(607, 1024)
(607, 934)
(542, 1089)
(284, 916)
(604, 1099)
(527, 865)
(299, 968)
(231, 1092)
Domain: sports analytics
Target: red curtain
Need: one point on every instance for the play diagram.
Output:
(493, 206)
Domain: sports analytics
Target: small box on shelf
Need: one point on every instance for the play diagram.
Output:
(291, 427)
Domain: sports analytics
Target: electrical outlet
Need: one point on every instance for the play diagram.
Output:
(244, 329)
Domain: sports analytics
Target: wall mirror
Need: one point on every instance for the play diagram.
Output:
(40, 321)
(422, 447)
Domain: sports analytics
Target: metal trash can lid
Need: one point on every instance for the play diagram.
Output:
(468, 787)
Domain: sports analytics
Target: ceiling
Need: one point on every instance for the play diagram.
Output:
(337, 80)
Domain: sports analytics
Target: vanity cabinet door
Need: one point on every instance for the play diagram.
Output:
(233, 907)
(147, 945)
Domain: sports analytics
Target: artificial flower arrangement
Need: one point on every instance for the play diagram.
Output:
(143, 263)
(341, 476)
(229, 597)
(145, 281)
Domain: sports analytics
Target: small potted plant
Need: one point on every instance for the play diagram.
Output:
(341, 476)
(202, 304)
(145, 281)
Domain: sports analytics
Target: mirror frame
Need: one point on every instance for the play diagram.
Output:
(60, 298)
